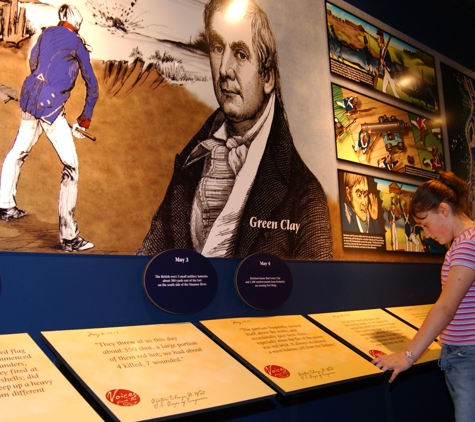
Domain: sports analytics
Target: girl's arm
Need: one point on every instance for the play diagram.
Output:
(458, 283)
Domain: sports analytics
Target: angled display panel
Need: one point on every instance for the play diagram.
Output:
(151, 372)
(414, 315)
(33, 389)
(289, 352)
(374, 332)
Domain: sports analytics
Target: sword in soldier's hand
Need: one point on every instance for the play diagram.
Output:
(7, 93)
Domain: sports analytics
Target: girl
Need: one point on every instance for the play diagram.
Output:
(441, 208)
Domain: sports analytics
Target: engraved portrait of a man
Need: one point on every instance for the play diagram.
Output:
(240, 186)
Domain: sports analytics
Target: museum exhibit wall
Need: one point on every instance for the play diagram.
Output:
(55, 291)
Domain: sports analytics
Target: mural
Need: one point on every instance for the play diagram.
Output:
(363, 53)
(459, 99)
(377, 134)
(375, 216)
(238, 187)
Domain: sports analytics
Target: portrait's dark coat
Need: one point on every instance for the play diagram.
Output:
(284, 189)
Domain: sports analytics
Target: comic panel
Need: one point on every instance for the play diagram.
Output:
(376, 134)
(375, 216)
(366, 54)
(459, 100)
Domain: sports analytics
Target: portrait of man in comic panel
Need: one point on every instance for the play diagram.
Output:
(359, 205)
(239, 186)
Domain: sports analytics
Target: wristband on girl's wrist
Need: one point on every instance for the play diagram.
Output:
(408, 354)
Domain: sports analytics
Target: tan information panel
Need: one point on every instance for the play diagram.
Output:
(33, 389)
(414, 315)
(150, 372)
(290, 352)
(374, 332)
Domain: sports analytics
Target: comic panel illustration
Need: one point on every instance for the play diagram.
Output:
(375, 216)
(376, 134)
(459, 99)
(363, 53)
(178, 123)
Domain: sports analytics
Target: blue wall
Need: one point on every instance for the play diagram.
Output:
(41, 292)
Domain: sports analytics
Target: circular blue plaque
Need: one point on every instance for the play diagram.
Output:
(180, 281)
(263, 281)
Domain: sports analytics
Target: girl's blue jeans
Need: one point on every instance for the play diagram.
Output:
(458, 363)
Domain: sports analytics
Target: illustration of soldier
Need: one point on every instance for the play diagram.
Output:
(393, 215)
(386, 64)
(411, 231)
(349, 104)
(55, 62)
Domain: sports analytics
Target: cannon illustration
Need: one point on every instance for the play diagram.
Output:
(390, 128)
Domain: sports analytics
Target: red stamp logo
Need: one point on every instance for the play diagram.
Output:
(376, 353)
(277, 371)
(122, 397)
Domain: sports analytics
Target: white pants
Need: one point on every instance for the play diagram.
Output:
(388, 79)
(394, 239)
(60, 136)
